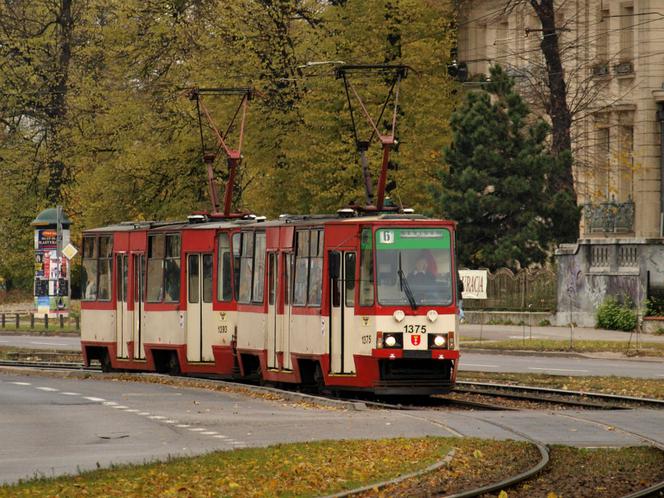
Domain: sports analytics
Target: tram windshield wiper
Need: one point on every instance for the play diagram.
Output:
(403, 285)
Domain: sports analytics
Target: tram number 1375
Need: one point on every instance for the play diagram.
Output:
(415, 329)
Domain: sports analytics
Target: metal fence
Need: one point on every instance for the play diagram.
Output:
(527, 290)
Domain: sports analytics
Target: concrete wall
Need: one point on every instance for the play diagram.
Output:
(593, 269)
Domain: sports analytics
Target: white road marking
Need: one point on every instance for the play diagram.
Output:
(221, 436)
(131, 410)
(478, 365)
(209, 433)
(110, 403)
(4, 341)
(145, 414)
(183, 426)
(21, 383)
(90, 398)
(196, 429)
(515, 337)
(50, 343)
(71, 394)
(170, 421)
(557, 369)
(49, 389)
(120, 407)
(157, 417)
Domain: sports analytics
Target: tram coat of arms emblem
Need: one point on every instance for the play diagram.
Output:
(415, 339)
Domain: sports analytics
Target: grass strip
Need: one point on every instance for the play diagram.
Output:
(578, 346)
(585, 472)
(302, 469)
(622, 386)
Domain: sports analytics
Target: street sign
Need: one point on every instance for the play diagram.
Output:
(69, 251)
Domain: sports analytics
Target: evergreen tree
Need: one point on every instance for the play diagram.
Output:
(496, 183)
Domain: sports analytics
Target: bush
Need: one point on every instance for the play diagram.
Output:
(612, 315)
(654, 306)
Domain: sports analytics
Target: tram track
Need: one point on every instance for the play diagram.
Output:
(581, 399)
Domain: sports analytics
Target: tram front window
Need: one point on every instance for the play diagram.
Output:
(415, 261)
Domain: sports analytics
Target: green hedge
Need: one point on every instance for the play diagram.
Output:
(613, 315)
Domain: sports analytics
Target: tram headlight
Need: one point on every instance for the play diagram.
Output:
(439, 341)
(390, 341)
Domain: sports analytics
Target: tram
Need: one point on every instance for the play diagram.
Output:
(364, 299)
(342, 302)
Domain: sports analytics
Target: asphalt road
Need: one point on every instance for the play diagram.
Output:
(63, 343)
(51, 426)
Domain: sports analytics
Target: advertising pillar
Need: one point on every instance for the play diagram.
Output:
(51, 289)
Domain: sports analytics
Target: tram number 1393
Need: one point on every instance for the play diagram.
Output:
(415, 329)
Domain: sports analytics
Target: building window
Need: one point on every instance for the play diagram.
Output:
(602, 36)
(626, 164)
(603, 163)
(626, 33)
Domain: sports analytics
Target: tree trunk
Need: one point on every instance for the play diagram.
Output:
(558, 110)
(57, 110)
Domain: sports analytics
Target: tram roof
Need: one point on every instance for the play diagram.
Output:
(283, 220)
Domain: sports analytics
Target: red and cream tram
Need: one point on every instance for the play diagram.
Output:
(359, 302)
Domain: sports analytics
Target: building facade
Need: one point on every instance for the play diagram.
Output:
(613, 58)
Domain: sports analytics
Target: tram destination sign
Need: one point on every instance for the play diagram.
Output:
(474, 283)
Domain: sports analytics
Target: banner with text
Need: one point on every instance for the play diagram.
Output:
(474, 283)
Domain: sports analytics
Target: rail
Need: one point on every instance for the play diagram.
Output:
(553, 395)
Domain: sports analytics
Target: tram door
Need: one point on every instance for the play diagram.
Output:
(272, 318)
(342, 311)
(139, 279)
(287, 265)
(200, 319)
(122, 315)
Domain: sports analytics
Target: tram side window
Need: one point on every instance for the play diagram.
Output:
(259, 268)
(156, 268)
(89, 273)
(366, 269)
(224, 269)
(315, 268)
(301, 268)
(172, 269)
(105, 268)
(349, 279)
(246, 267)
(237, 253)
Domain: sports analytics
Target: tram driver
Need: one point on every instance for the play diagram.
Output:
(421, 274)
